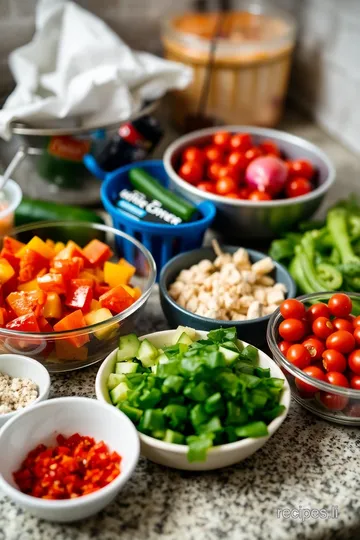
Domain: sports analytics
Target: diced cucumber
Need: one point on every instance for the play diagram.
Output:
(126, 367)
(147, 354)
(154, 369)
(185, 339)
(115, 379)
(128, 347)
(119, 393)
(184, 329)
(132, 412)
(173, 437)
(229, 355)
(163, 359)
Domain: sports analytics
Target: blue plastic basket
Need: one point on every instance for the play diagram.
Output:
(163, 241)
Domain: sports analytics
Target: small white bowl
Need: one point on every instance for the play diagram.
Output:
(24, 367)
(41, 424)
(175, 455)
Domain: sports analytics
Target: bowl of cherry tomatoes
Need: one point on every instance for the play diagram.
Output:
(262, 181)
(315, 339)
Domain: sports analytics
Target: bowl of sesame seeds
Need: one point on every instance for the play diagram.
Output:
(23, 382)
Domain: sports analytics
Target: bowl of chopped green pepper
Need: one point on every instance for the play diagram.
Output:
(200, 401)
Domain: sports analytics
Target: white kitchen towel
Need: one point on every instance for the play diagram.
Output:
(76, 67)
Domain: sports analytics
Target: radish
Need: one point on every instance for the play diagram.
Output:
(268, 173)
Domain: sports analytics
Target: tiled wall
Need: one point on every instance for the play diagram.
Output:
(326, 74)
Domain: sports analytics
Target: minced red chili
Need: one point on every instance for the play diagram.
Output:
(77, 466)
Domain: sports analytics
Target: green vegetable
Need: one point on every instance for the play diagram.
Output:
(143, 182)
(147, 353)
(128, 347)
(253, 429)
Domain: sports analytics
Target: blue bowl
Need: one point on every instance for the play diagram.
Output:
(162, 240)
(252, 331)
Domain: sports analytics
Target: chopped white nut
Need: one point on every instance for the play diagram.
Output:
(266, 281)
(264, 266)
(222, 259)
(241, 258)
(254, 311)
(16, 393)
(268, 310)
(281, 287)
(184, 276)
(274, 296)
(260, 294)
(192, 304)
(205, 266)
(249, 276)
(176, 289)
(236, 316)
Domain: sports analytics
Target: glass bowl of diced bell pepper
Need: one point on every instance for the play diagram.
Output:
(66, 303)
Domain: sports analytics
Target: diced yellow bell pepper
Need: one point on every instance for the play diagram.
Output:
(66, 351)
(39, 246)
(100, 315)
(99, 274)
(59, 246)
(50, 243)
(29, 286)
(134, 291)
(6, 271)
(52, 308)
(127, 267)
(95, 304)
(118, 274)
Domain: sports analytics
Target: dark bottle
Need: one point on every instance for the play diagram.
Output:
(133, 142)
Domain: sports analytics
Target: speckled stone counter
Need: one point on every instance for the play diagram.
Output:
(307, 464)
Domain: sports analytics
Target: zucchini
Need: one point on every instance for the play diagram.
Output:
(185, 339)
(119, 393)
(128, 347)
(147, 354)
(115, 379)
(126, 367)
(180, 330)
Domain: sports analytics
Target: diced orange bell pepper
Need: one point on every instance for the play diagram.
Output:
(69, 268)
(39, 246)
(6, 271)
(31, 285)
(25, 302)
(52, 283)
(117, 299)
(97, 252)
(79, 295)
(30, 264)
(74, 320)
(127, 268)
(134, 291)
(52, 308)
(66, 351)
(12, 245)
(11, 258)
(26, 323)
(50, 243)
(71, 250)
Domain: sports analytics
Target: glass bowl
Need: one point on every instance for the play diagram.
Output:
(55, 350)
(348, 399)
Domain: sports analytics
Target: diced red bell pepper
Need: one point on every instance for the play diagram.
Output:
(87, 282)
(26, 323)
(100, 289)
(11, 244)
(52, 283)
(24, 302)
(70, 251)
(79, 296)
(11, 258)
(117, 299)
(70, 268)
(3, 317)
(97, 252)
(31, 263)
(71, 322)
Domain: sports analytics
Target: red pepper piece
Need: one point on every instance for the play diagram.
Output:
(11, 244)
(100, 289)
(97, 252)
(117, 299)
(31, 263)
(26, 323)
(69, 268)
(79, 296)
(25, 302)
(52, 283)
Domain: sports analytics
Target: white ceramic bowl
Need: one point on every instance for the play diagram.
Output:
(175, 455)
(41, 424)
(26, 368)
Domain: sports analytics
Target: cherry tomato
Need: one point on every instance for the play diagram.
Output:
(301, 167)
(337, 379)
(297, 187)
(237, 160)
(340, 305)
(269, 147)
(357, 335)
(292, 309)
(341, 341)
(315, 347)
(213, 170)
(241, 141)
(343, 324)
(232, 196)
(299, 356)
(222, 139)
(356, 321)
(354, 361)
(284, 346)
(259, 196)
(334, 361)
(227, 170)
(244, 193)
(206, 186)
(193, 154)
(225, 185)
(322, 327)
(191, 172)
(317, 310)
(292, 329)
(213, 154)
(312, 371)
(355, 382)
(333, 401)
(252, 154)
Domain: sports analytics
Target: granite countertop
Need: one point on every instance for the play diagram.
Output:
(307, 464)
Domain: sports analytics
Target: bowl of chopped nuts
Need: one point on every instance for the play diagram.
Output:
(23, 382)
(229, 286)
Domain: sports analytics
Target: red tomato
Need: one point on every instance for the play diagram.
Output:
(191, 172)
(337, 379)
(222, 139)
(292, 309)
(193, 154)
(213, 170)
(340, 305)
(269, 147)
(244, 193)
(341, 341)
(357, 335)
(284, 346)
(355, 382)
(301, 167)
(259, 196)
(354, 361)
(314, 372)
(343, 324)
(225, 185)
(232, 196)
(292, 329)
(299, 356)
(333, 402)
(213, 154)
(315, 347)
(322, 328)
(241, 141)
(356, 321)
(206, 186)
(237, 160)
(317, 310)
(297, 187)
(334, 361)
(227, 171)
(252, 154)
